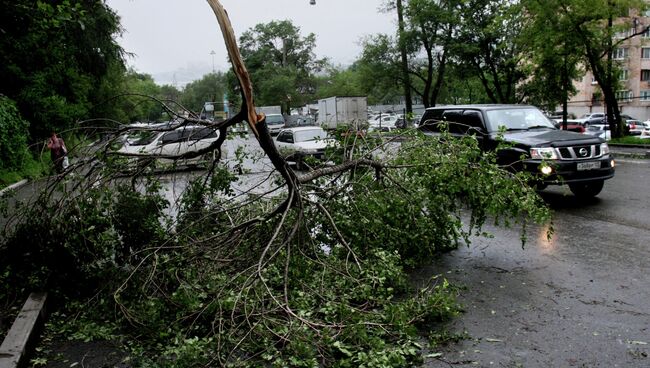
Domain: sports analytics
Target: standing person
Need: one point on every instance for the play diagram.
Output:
(58, 152)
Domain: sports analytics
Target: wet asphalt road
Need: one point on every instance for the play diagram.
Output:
(581, 299)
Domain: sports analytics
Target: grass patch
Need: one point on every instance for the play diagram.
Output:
(630, 140)
(33, 169)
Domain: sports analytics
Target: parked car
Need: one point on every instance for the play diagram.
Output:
(554, 156)
(629, 119)
(275, 123)
(572, 125)
(599, 130)
(591, 118)
(636, 127)
(385, 124)
(297, 143)
(160, 143)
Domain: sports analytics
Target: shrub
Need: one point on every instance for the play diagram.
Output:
(13, 136)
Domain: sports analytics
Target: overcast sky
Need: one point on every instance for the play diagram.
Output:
(173, 39)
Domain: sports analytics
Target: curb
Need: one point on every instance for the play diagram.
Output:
(627, 145)
(640, 155)
(13, 186)
(21, 335)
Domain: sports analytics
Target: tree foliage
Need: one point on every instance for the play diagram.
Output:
(53, 55)
(378, 69)
(229, 281)
(487, 44)
(430, 37)
(590, 27)
(282, 63)
(210, 88)
(13, 136)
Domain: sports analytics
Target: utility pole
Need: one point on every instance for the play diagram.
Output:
(405, 66)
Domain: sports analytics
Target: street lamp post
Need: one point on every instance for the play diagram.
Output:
(213, 53)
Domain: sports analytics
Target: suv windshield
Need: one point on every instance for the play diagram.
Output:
(517, 119)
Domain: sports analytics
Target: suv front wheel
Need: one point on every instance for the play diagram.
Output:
(587, 189)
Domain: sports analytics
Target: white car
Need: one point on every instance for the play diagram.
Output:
(385, 123)
(599, 130)
(159, 145)
(297, 143)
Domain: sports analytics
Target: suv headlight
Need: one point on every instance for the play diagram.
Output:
(545, 153)
(604, 149)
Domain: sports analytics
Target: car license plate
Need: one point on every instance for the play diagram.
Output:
(582, 166)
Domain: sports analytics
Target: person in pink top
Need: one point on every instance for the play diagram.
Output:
(58, 152)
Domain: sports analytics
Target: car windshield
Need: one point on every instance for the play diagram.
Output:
(517, 119)
(310, 135)
(141, 137)
(274, 119)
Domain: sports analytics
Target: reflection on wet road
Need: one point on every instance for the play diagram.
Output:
(580, 299)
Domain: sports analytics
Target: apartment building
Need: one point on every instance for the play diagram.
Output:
(633, 58)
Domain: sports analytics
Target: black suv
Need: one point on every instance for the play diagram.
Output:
(554, 156)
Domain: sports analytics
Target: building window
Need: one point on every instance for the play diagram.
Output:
(646, 33)
(621, 34)
(645, 95)
(645, 75)
(624, 75)
(623, 96)
(622, 52)
(645, 53)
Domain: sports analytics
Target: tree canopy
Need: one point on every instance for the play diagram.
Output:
(282, 63)
(53, 56)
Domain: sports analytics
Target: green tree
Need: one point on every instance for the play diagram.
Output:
(53, 55)
(339, 81)
(136, 104)
(429, 32)
(209, 88)
(553, 56)
(379, 69)
(591, 27)
(486, 44)
(282, 63)
(13, 136)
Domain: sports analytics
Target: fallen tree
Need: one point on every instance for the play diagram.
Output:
(312, 271)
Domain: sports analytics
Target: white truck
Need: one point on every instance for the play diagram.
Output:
(268, 110)
(335, 111)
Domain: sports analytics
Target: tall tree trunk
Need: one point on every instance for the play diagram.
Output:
(613, 113)
(405, 67)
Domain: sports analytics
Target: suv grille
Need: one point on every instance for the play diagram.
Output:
(579, 152)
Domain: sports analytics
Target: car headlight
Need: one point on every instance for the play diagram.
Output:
(545, 153)
(604, 149)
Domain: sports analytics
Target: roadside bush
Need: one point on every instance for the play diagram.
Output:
(55, 241)
(13, 136)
